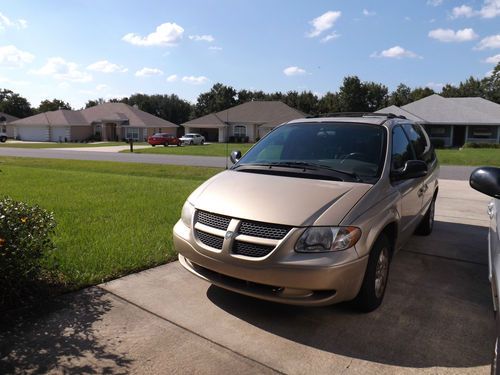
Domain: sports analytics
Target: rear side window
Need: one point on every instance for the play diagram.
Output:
(401, 149)
(423, 149)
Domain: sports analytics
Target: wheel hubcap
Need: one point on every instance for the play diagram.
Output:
(381, 272)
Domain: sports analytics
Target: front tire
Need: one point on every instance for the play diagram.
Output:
(427, 224)
(372, 290)
(3, 139)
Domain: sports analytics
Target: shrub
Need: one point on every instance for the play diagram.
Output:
(437, 143)
(481, 145)
(25, 241)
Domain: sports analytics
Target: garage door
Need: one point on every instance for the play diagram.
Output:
(33, 133)
(59, 134)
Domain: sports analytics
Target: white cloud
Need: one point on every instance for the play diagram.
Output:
(490, 9)
(12, 57)
(215, 48)
(434, 3)
(63, 70)
(148, 72)
(448, 35)
(172, 78)
(101, 87)
(462, 11)
(200, 80)
(329, 37)
(167, 34)
(64, 85)
(324, 22)
(493, 59)
(293, 71)
(396, 52)
(104, 66)
(13, 82)
(6, 22)
(202, 38)
(490, 42)
(369, 13)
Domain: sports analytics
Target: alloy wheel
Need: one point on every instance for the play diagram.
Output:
(381, 272)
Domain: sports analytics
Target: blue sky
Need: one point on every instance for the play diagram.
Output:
(83, 49)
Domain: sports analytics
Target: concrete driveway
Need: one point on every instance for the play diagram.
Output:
(436, 318)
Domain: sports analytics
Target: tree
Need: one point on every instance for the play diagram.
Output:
(219, 97)
(329, 103)
(352, 95)
(14, 104)
(491, 85)
(52, 105)
(376, 96)
(471, 87)
(420, 93)
(167, 107)
(401, 96)
(93, 103)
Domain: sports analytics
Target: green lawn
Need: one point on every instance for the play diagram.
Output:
(112, 218)
(64, 145)
(470, 156)
(214, 149)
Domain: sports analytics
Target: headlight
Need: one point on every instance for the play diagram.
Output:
(187, 214)
(320, 239)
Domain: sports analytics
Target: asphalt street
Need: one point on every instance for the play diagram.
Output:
(447, 172)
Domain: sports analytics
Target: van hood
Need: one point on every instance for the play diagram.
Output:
(276, 199)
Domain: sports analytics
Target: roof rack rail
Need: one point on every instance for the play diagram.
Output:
(357, 114)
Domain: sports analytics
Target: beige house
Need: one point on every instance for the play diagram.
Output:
(107, 122)
(454, 121)
(252, 119)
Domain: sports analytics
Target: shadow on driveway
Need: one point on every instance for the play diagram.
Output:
(59, 337)
(437, 312)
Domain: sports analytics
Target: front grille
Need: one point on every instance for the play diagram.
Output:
(213, 220)
(209, 239)
(263, 230)
(250, 249)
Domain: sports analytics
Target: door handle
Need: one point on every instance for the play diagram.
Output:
(491, 209)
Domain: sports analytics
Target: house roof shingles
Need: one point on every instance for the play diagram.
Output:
(438, 110)
(264, 113)
(101, 113)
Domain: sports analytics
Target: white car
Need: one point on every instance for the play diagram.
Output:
(192, 139)
(487, 181)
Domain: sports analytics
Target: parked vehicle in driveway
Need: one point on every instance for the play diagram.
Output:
(487, 181)
(314, 212)
(3, 137)
(165, 139)
(192, 139)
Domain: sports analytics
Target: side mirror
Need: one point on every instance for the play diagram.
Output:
(486, 180)
(412, 169)
(235, 156)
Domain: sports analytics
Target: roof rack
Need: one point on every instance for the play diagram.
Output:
(358, 114)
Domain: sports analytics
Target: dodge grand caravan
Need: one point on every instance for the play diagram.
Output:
(314, 212)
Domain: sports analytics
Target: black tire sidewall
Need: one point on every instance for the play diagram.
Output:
(367, 299)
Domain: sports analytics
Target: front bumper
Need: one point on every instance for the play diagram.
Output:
(286, 276)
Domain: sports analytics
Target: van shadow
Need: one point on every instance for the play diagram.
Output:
(59, 336)
(437, 312)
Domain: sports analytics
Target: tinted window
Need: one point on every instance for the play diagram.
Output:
(419, 140)
(349, 147)
(401, 148)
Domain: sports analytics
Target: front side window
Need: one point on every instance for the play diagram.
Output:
(420, 141)
(240, 131)
(350, 148)
(402, 150)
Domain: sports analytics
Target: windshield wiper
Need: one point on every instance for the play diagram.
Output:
(305, 166)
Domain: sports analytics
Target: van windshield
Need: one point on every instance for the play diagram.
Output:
(356, 151)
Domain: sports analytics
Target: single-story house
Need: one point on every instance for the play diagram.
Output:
(252, 119)
(454, 121)
(5, 120)
(106, 122)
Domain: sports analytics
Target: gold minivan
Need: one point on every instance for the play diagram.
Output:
(313, 213)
